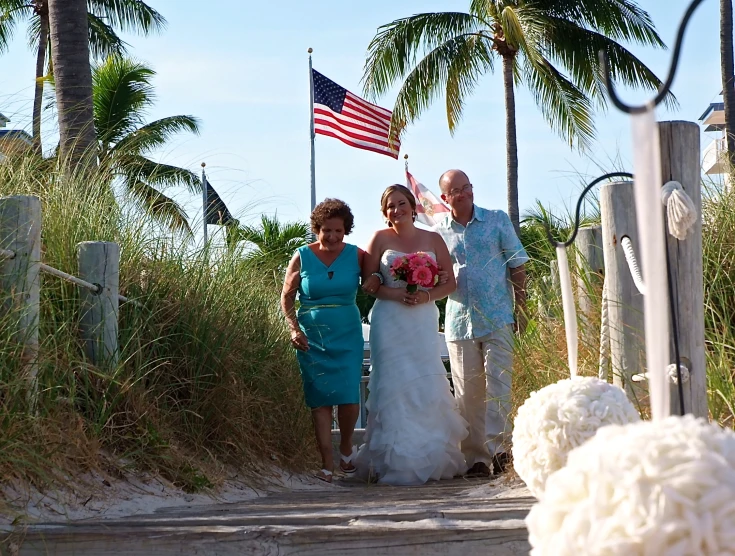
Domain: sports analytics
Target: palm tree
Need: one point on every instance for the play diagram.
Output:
(727, 68)
(70, 53)
(274, 241)
(550, 46)
(104, 19)
(122, 93)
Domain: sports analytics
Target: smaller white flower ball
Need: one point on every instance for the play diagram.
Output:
(560, 417)
(664, 487)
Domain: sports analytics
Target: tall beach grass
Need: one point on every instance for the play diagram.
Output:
(206, 379)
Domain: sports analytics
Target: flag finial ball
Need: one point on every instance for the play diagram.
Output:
(204, 164)
(405, 157)
(310, 50)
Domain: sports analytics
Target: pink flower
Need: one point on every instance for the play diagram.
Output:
(422, 276)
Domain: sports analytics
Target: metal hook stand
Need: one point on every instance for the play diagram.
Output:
(586, 190)
(629, 109)
(665, 86)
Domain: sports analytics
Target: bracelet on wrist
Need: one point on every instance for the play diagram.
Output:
(380, 277)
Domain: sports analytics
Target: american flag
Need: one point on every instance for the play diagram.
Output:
(354, 121)
(428, 205)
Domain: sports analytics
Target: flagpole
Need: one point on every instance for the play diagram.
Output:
(312, 134)
(405, 158)
(204, 202)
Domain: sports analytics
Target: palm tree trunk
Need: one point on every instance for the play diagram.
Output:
(727, 70)
(69, 36)
(40, 72)
(511, 142)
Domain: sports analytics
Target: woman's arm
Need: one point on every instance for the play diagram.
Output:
(371, 258)
(444, 260)
(370, 284)
(371, 263)
(288, 298)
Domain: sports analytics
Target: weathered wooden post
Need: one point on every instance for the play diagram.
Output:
(625, 303)
(680, 162)
(590, 269)
(20, 235)
(99, 263)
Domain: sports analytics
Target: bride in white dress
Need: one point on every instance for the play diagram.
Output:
(414, 428)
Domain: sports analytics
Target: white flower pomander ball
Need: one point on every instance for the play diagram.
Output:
(560, 417)
(664, 488)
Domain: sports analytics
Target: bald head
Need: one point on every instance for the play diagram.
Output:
(450, 178)
(457, 193)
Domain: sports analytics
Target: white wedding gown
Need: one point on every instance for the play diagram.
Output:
(414, 428)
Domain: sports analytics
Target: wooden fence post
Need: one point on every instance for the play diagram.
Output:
(99, 263)
(680, 162)
(20, 232)
(625, 303)
(590, 269)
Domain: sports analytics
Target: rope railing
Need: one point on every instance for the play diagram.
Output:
(635, 271)
(604, 336)
(94, 288)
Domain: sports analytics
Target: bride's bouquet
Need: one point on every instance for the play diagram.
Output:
(416, 269)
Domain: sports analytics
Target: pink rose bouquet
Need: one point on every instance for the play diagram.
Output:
(416, 269)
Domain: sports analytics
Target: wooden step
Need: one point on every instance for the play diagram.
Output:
(457, 517)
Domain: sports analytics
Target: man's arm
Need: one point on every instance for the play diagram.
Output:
(518, 279)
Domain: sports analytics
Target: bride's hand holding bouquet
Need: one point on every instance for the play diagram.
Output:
(416, 269)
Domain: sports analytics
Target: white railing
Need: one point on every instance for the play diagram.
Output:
(713, 157)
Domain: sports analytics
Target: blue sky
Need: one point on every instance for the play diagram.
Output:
(241, 67)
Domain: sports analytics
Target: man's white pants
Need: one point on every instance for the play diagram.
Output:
(481, 373)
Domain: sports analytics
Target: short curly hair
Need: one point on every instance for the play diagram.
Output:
(331, 208)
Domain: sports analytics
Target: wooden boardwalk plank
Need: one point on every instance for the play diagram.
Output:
(450, 517)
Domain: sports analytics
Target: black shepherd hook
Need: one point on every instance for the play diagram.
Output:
(568, 242)
(665, 86)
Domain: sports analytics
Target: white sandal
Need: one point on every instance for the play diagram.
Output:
(348, 460)
(324, 475)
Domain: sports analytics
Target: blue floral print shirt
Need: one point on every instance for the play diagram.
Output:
(482, 253)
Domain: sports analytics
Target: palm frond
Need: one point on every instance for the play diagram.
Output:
(156, 134)
(121, 92)
(12, 12)
(456, 64)
(162, 208)
(487, 10)
(134, 168)
(474, 58)
(523, 27)
(577, 49)
(272, 234)
(616, 19)
(397, 45)
(274, 241)
(103, 41)
(132, 16)
(33, 32)
(567, 109)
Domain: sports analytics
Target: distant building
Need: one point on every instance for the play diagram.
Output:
(714, 159)
(12, 140)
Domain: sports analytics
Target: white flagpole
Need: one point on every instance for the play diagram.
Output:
(204, 202)
(405, 166)
(311, 133)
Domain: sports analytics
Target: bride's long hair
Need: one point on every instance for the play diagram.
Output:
(403, 190)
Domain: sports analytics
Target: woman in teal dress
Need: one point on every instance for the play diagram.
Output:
(327, 330)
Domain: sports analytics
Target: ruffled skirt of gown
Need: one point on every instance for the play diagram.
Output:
(414, 428)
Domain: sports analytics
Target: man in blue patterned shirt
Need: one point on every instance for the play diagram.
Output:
(488, 261)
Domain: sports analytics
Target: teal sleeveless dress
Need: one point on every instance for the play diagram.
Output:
(330, 319)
